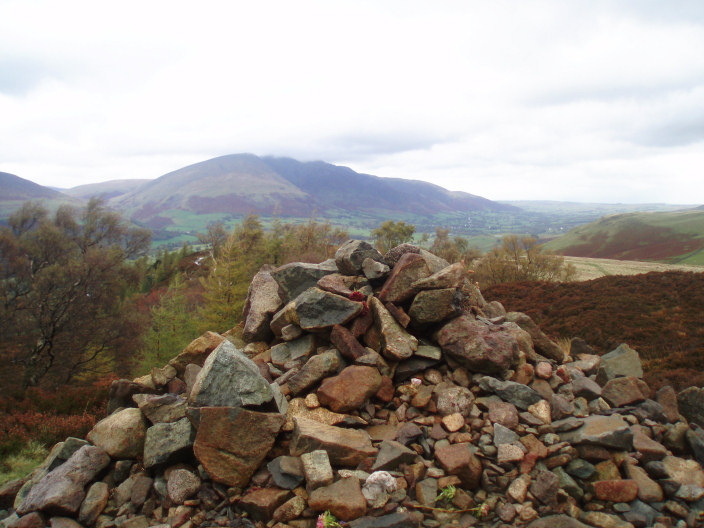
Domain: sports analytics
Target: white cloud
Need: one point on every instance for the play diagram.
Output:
(585, 100)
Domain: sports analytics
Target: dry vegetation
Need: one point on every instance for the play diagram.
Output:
(593, 268)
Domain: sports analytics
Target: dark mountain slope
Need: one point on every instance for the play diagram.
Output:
(15, 188)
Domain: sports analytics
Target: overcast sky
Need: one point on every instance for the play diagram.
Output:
(562, 100)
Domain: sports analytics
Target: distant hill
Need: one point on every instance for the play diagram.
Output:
(674, 237)
(15, 188)
(106, 190)
(243, 183)
(14, 191)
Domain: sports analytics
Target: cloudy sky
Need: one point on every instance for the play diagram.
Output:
(563, 100)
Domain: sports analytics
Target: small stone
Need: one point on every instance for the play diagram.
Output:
(543, 370)
(317, 469)
(509, 453)
(542, 411)
(181, 485)
(453, 422)
(616, 490)
(344, 499)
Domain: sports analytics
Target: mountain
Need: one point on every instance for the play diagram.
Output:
(106, 190)
(675, 237)
(15, 188)
(242, 183)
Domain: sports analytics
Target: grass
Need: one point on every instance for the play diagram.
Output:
(593, 268)
(22, 463)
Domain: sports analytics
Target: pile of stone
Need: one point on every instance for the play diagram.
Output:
(387, 391)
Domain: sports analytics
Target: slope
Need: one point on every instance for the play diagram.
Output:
(106, 190)
(674, 237)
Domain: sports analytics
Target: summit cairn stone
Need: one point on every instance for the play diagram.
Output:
(263, 301)
(478, 346)
(229, 379)
(396, 343)
(297, 277)
(351, 255)
(622, 361)
(317, 310)
(399, 285)
(122, 434)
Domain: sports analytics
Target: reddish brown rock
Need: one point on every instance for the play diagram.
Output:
(616, 490)
(623, 391)
(478, 346)
(31, 520)
(345, 447)
(399, 314)
(350, 389)
(667, 397)
(458, 459)
(197, 351)
(229, 456)
(346, 343)
(386, 390)
(503, 413)
(260, 504)
(398, 287)
(343, 498)
(361, 324)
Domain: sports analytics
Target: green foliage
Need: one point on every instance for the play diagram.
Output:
(21, 463)
(446, 494)
(63, 282)
(390, 234)
(453, 250)
(173, 326)
(327, 520)
(521, 259)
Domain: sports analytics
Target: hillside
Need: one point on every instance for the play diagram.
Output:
(14, 191)
(106, 190)
(659, 314)
(673, 236)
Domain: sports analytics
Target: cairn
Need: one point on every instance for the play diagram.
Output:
(378, 391)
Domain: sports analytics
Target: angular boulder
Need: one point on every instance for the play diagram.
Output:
(317, 309)
(350, 389)
(351, 255)
(263, 301)
(296, 277)
(345, 447)
(398, 286)
(433, 306)
(622, 361)
(396, 343)
(61, 491)
(478, 346)
(196, 352)
(227, 455)
(165, 441)
(315, 369)
(229, 379)
(607, 431)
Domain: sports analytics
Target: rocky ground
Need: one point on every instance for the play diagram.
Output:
(387, 392)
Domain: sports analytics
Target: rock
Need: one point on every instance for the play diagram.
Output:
(263, 301)
(161, 408)
(604, 520)
(454, 399)
(316, 469)
(607, 431)
(296, 277)
(509, 453)
(516, 393)
(260, 504)
(541, 411)
(448, 277)
(317, 309)
(691, 404)
(648, 490)
(683, 471)
(315, 369)
(544, 487)
(557, 521)
(345, 447)
(289, 510)
(478, 346)
(350, 389)
(8, 492)
(458, 459)
(616, 490)
(351, 255)
(227, 455)
(568, 484)
(346, 343)
(398, 286)
(343, 499)
(120, 435)
(287, 471)
(197, 351)
(392, 520)
(542, 343)
(166, 441)
(61, 491)
(298, 409)
(298, 350)
(94, 503)
(396, 343)
(622, 361)
(433, 306)
(391, 455)
(453, 422)
(345, 285)
(394, 254)
(374, 270)
(518, 489)
(667, 398)
(503, 413)
(623, 391)
(229, 379)
(181, 485)
(63, 522)
(586, 388)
